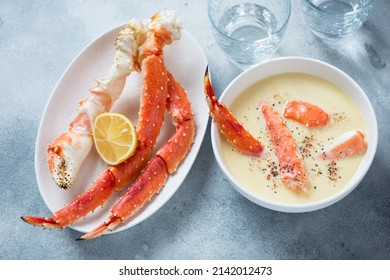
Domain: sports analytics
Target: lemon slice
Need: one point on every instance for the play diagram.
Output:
(115, 137)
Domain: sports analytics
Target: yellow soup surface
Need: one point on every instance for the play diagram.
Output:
(260, 174)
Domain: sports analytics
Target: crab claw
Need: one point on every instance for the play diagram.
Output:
(49, 222)
(66, 156)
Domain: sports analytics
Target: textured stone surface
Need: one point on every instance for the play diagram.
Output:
(206, 218)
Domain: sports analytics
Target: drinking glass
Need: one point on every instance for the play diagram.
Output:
(248, 30)
(336, 18)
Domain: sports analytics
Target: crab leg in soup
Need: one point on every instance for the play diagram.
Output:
(348, 144)
(305, 113)
(228, 125)
(292, 171)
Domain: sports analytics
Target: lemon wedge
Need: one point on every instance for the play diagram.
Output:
(115, 137)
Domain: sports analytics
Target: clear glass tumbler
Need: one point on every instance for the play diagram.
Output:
(336, 18)
(248, 30)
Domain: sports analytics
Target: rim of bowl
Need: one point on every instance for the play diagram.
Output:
(300, 63)
(315, 7)
(280, 30)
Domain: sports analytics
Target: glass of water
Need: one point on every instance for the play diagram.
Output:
(248, 30)
(334, 19)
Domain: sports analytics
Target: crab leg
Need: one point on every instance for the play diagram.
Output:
(228, 125)
(100, 191)
(291, 167)
(69, 150)
(163, 30)
(179, 107)
(149, 124)
(155, 174)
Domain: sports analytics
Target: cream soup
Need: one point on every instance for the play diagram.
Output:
(260, 174)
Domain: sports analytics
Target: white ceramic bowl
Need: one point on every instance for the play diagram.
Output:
(316, 68)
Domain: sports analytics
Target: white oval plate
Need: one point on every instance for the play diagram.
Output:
(184, 59)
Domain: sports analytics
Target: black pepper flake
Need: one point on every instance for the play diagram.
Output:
(333, 171)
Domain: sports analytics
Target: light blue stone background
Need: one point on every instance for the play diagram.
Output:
(206, 218)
